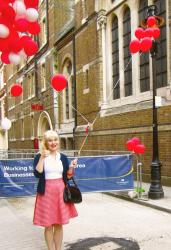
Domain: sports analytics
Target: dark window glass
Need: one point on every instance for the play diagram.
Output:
(144, 58)
(67, 103)
(73, 96)
(115, 59)
(126, 42)
(162, 47)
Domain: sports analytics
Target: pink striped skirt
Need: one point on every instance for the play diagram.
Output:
(50, 208)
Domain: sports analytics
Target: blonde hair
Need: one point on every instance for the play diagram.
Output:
(48, 135)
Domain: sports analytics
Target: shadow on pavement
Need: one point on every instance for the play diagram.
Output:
(103, 243)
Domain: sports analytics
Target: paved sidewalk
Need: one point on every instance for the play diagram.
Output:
(163, 204)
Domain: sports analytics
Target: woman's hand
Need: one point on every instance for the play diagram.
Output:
(45, 153)
(73, 165)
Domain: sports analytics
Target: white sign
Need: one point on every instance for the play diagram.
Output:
(158, 101)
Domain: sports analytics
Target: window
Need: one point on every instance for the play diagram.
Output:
(1, 80)
(43, 77)
(73, 95)
(22, 94)
(126, 42)
(84, 10)
(69, 91)
(115, 58)
(144, 58)
(43, 31)
(86, 79)
(161, 63)
(22, 128)
(32, 126)
(12, 131)
(67, 103)
(31, 85)
(11, 100)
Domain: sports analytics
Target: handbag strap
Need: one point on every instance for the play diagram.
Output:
(72, 181)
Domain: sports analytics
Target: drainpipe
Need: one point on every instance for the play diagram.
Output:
(75, 92)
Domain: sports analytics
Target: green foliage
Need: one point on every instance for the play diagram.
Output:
(139, 190)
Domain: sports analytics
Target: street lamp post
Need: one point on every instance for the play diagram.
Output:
(156, 190)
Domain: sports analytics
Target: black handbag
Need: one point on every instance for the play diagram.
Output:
(72, 193)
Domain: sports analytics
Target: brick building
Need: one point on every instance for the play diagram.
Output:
(87, 41)
(3, 111)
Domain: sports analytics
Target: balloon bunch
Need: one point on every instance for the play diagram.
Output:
(145, 37)
(135, 145)
(18, 20)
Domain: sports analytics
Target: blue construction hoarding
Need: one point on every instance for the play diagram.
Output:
(93, 174)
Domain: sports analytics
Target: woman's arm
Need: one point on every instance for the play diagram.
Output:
(38, 163)
(39, 166)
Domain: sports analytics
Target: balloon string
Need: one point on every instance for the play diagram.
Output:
(84, 118)
(115, 85)
(75, 109)
(83, 143)
(108, 98)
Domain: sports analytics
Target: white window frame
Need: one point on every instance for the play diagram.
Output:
(43, 77)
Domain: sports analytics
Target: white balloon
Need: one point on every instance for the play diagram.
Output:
(4, 31)
(32, 14)
(23, 16)
(5, 123)
(19, 7)
(14, 58)
(22, 54)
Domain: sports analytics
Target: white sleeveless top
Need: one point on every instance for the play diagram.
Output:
(53, 167)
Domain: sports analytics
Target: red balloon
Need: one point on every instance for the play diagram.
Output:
(24, 40)
(16, 89)
(3, 5)
(151, 21)
(21, 25)
(146, 44)
(156, 33)
(5, 58)
(4, 45)
(148, 32)
(9, 14)
(130, 145)
(139, 33)
(16, 45)
(139, 149)
(134, 46)
(59, 82)
(34, 28)
(30, 47)
(31, 3)
(136, 140)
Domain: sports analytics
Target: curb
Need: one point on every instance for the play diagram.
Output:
(140, 202)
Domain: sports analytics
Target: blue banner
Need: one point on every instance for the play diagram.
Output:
(107, 173)
(17, 178)
(93, 174)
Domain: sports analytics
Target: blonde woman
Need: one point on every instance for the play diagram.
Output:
(53, 169)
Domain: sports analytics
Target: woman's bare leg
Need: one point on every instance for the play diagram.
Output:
(49, 237)
(58, 236)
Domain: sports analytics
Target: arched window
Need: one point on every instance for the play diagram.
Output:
(162, 47)
(69, 91)
(115, 58)
(126, 42)
(144, 58)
